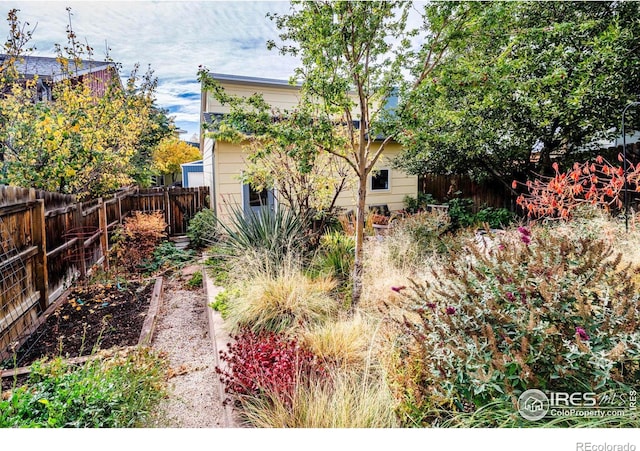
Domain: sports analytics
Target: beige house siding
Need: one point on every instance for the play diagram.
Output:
(230, 162)
(285, 97)
(400, 185)
(207, 167)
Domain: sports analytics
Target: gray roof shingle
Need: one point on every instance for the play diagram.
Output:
(50, 68)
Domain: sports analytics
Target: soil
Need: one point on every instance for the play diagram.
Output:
(99, 315)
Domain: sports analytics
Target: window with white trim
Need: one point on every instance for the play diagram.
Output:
(380, 180)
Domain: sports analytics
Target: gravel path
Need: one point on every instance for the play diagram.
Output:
(182, 332)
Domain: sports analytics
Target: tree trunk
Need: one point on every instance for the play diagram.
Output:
(358, 263)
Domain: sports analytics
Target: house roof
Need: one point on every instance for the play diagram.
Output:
(50, 68)
(210, 118)
(242, 79)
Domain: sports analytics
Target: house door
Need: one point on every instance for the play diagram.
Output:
(255, 201)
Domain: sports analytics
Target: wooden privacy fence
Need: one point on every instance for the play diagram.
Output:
(444, 187)
(48, 239)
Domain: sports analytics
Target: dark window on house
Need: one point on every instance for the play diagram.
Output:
(380, 180)
(258, 198)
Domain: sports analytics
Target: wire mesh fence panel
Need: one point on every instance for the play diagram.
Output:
(19, 306)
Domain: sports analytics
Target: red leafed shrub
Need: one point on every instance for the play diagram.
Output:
(266, 363)
(598, 183)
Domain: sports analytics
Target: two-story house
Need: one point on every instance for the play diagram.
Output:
(223, 162)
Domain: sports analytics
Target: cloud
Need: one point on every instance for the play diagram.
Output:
(172, 37)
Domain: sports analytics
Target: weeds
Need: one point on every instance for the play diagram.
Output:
(195, 282)
(166, 256)
(117, 392)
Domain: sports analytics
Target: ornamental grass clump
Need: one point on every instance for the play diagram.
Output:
(346, 342)
(542, 309)
(280, 302)
(335, 255)
(416, 237)
(345, 400)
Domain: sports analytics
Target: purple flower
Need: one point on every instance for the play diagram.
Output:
(450, 310)
(523, 297)
(524, 231)
(582, 334)
(431, 305)
(511, 297)
(525, 235)
(398, 289)
(501, 247)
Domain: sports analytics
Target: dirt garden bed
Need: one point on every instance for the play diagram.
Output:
(100, 316)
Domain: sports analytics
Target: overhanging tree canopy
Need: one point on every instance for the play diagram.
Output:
(528, 83)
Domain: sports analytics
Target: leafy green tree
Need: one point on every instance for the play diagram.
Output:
(527, 83)
(354, 57)
(159, 127)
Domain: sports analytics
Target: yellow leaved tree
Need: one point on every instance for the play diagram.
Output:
(171, 153)
(82, 141)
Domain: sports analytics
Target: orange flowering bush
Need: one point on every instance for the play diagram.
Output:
(598, 183)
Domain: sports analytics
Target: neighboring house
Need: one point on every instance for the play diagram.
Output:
(49, 70)
(223, 162)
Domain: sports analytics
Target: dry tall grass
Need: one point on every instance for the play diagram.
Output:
(281, 302)
(347, 399)
(346, 343)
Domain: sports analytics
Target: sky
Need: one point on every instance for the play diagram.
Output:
(172, 37)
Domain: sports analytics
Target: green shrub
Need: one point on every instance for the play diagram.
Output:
(118, 392)
(203, 230)
(460, 213)
(495, 218)
(418, 204)
(546, 309)
(335, 255)
(222, 300)
(168, 256)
